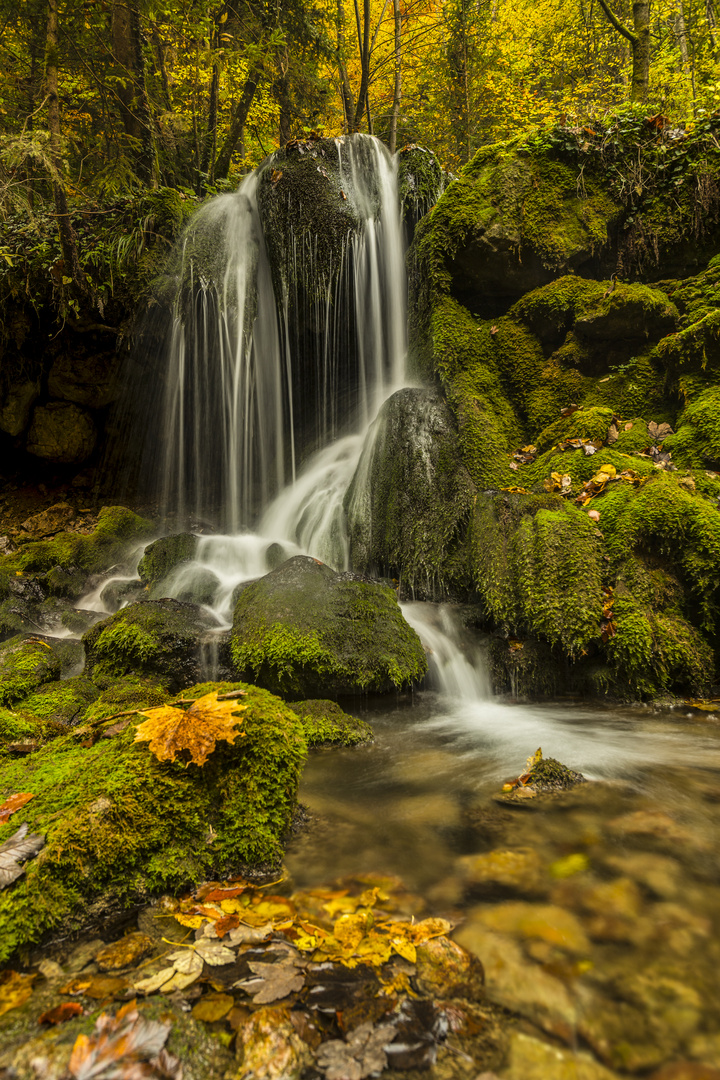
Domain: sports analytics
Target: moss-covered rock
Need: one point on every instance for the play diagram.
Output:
(325, 724)
(25, 664)
(120, 823)
(153, 637)
(411, 496)
(62, 702)
(119, 695)
(163, 555)
(420, 183)
(20, 727)
(304, 630)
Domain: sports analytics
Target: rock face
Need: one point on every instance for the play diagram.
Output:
(306, 631)
(15, 405)
(85, 379)
(411, 495)
(156, 637)
(586, 411)
(420, 183)
(61, 433)
(136, 825)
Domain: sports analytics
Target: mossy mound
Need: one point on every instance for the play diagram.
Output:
(163, 555)
(548, 774)
(118, 695)
(120, 823)
(25, 664)
(19, 726)
(306, 631)
(62, 702)
(411, 496)
(152, 637)
(325, 724)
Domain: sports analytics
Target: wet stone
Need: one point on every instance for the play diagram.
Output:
(531, 1059)
(446, 970)
(549, 923)
(269, 1048)
(124, 953)
(504, 872)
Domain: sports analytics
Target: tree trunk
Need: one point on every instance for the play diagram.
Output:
(711, 21)
(639, 38)
(640, 51)
(68, 239)
(237, 126)
(345, 88)
(397, 88)
(131, 90)
(363, 32)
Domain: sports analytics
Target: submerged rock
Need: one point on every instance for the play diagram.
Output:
(120, 824)
(306, 630)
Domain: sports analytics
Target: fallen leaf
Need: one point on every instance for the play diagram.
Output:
(125, 952)
(15, 989)
(212, 1007)
(67, 1011)
(197, 729)
(124, 1047)
(272, 982)
(213, 953)
(15, 802)
(154, 982)
(594, 515)
(97, 987)
(17, 850)
(363, 1054)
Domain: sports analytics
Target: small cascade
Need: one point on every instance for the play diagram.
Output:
(457, 664)
(273, 353)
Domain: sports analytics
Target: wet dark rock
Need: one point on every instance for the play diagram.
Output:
(163, 555)
(411, 496)
(156, 637)
(84, 379)
(119, 592)
(61, 433)
(306, 631)
(15, 405)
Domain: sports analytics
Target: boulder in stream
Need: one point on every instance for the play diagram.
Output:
(305, 630)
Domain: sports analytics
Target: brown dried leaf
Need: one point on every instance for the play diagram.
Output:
(272, 982)
(14, 803)
(212, 1007)
(196, 729)
(124, 1046)
(16, 850)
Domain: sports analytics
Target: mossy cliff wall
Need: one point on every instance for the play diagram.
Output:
(555, 371)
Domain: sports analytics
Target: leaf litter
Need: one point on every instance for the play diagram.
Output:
(342, 959)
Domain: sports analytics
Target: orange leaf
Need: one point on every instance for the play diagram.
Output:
(197, 729)
(61, 1013)
(15, 802)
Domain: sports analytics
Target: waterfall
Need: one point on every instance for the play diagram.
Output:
(457, 665)
(260, 371)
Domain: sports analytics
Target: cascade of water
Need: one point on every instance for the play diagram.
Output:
(244, 392)
(457, 664)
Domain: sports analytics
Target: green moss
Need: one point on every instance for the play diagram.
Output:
(420, 182)
(25, 663)
(19, 725)
(115, 530)
(538, 568)
(551, 775)
(580, 467)
(697, 441)
(591, 424)
(303, 630)
(160, 557)
(148, 637)
(325, 724)
(123, 694)
(120, 823)
(62, 702)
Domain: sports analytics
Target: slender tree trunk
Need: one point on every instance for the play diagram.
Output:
(237, 125)
(131, 90)
(397, 86)
(68, 239)
(363, 31)
(639, 38)
(348, 99)
(711, 22)
(681, 33)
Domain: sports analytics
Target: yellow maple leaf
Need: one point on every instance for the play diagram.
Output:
(197, 729)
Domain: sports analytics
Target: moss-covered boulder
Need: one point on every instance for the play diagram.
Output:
(409, 501)
(25, 664)
(420, 183)
(163, 555)
(120, 823)
(304, 630)
(325, 724)
(152, 637)
(61, 702)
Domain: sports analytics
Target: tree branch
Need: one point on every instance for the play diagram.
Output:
(620, 27)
